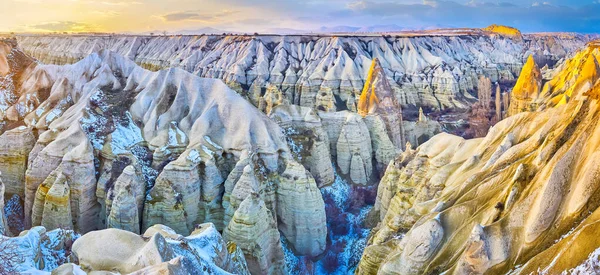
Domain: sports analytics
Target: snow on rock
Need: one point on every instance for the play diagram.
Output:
(180, 137)
(432, 71)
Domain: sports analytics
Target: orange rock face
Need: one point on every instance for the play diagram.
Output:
(527, 88)
(504, 30)
(378, 98)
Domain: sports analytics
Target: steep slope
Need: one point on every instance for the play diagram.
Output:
(522, 200)
(122, 147)
(436, 71)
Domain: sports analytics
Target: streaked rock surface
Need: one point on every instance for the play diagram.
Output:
(521, 200)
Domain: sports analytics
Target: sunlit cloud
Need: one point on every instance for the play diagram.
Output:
(197, 16)
(62, 26)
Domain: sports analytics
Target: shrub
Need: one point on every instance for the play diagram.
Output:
(9, 256)
(331, 263)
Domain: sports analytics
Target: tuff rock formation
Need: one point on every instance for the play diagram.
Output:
(527, 89)
(117, 146)
(480, 118)
(521, 200)
(431, 69)
(378, 98)
(254, 230)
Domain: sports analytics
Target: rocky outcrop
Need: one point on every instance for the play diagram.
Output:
(307, 139)
(527, 89)
(417, 133)
(328, 72)
(350, 144)
(36, 250)
(253, 229)
(125, 204)
(378, 98)
(517, 201)
(480, 119)
(15, 145)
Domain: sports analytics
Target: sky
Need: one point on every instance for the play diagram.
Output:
(144, 16)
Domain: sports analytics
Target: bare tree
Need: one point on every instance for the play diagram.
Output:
(9, 256)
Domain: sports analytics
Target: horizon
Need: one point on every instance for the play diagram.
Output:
(188, 16)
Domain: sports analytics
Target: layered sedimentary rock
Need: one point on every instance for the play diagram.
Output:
(254, 230)
(15, 146)
(521, 200)
(435, 70)
(122, 147)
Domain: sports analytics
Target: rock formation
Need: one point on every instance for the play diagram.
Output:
(434, 70)
(254, 230)
(307, 139)
(521, 200)
(122, 147)
(480, 117)
(103, 143)
(498, 104)
(158, 251)
(527, 89)
(378, 98)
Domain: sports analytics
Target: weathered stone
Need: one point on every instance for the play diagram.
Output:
(253, 229)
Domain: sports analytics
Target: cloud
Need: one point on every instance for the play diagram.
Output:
(62, 26)
(116, 3)
(197, 16)
(119, 3)
(106, 13)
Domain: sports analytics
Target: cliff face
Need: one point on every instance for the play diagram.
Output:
(521, 200)
(327, 72)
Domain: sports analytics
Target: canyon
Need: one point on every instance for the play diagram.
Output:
(300, 154)
(435, 70)
(521, 200)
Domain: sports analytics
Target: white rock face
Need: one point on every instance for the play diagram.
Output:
(316, 71)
